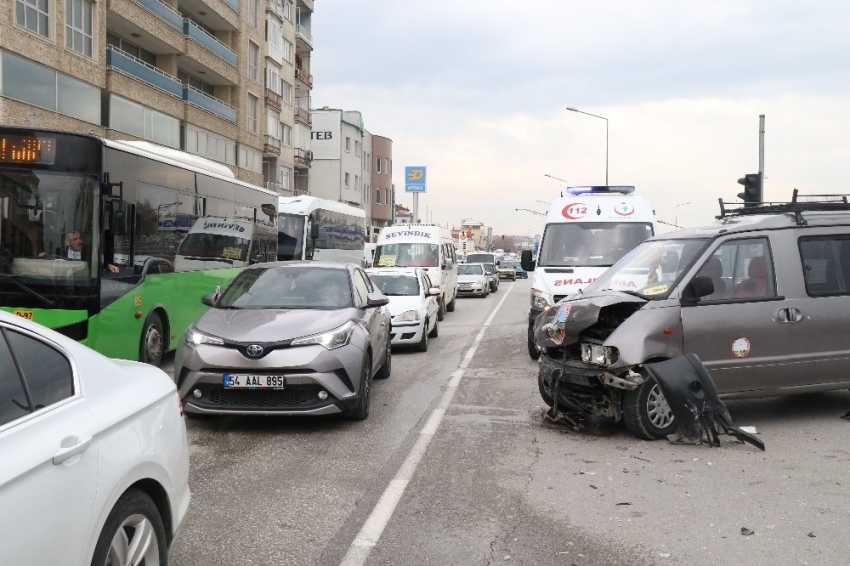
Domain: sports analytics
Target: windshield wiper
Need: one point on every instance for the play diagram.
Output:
(45, 301)
(632, 293)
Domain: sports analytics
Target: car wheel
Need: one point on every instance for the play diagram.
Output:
(647, 413)
(547, 392)
(133, 533)
(451, 306)
(435, 331)
(387, 367)
(422, 346)
(441, 310)
(152, 348)
(361, 411)
(532, 346)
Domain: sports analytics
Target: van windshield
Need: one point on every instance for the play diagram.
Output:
(651, 269)
(407, 255)
(590, 244)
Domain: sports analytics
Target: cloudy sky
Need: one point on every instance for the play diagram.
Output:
(476, 91)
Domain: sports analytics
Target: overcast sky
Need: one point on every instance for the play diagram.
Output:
(476, 91)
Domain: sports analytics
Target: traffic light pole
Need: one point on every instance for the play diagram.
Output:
(761, 159)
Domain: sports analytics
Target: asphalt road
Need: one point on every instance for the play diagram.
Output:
(459, 467)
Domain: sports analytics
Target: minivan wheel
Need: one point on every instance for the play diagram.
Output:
(532, 347)
(647, 413)
(546, 391)
(451, 306)
(441, 310)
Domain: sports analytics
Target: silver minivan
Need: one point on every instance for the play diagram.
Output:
(762, 297)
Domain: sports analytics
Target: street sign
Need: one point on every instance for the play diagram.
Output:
(414, 179)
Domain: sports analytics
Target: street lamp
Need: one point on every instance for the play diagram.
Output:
(556, 178)
(676, 214)
(571, 109)
(531, 211)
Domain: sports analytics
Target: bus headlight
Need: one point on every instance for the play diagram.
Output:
(599, 355)
(194, 337)
(539, 300)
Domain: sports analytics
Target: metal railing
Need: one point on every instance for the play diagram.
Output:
(212, 43)
(304, 76)
(272, 145)
(303, 115)
(163, 11)
(273, 99)
(303, 33)
(128, 64)
(303, 156)
(210, 104)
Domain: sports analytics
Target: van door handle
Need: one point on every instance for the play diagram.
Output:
(78, 445)
(790, 314)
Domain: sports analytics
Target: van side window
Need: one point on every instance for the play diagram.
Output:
(741, 269)
(826, 265)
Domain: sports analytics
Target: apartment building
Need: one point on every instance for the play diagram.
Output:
(187, 74)
(337, 171)
(381, 175)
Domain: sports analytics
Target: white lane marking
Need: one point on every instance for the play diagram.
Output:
(378, 519)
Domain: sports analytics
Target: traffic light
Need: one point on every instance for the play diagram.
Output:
(752, 189)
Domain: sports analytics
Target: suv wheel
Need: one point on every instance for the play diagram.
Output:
(361, 411)
(532, 347)
(547, 392)
(647, 413)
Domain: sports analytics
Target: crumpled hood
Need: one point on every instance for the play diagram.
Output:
(270, 325)
(561, 324)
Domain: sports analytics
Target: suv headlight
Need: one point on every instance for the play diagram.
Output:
(331, 339)
(195, 337)
(409, 316)
(539, 300)
(599, 355)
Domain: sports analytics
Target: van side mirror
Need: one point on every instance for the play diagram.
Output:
(699, 286)
(527, 260)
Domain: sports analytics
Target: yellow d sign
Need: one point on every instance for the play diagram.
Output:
(415, 174)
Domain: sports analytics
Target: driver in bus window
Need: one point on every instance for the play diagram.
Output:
(76, 249)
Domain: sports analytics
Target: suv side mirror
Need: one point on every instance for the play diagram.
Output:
(376, 300)
(208, 299)
(699, 286)
(527, 260)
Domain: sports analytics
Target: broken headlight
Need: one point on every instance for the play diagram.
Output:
(599, 355)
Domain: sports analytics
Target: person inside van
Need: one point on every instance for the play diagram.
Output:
(756, 283)
(713, 269)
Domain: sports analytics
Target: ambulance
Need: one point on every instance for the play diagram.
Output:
(587, 230)
(428, 246)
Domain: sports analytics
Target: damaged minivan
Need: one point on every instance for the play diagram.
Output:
(762, 297)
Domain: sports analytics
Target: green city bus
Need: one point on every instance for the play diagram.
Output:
(90, 229)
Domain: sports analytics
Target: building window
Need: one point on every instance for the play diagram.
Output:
(347, 180)
(285, 178)
(287, 134)
(286, 93)
(387, 165)
(33, 15)
(131, 48)
(195, 83)
(287, 9)
(252, 113)
(378, 196)
(378, 164)
(253, 12)
(78, 29)
(347, 144)
(253, 56)
(250, 159)
(287, 50)
(356, 147)
(357, 182)
(210, 145)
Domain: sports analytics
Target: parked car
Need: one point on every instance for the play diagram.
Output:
(472, 280)
(762, 298)
(506, 270)
(287, 338)
(520, 272)
(413, 304)
(492, 275)
(95, 461)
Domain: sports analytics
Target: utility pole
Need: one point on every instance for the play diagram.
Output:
(761, 158)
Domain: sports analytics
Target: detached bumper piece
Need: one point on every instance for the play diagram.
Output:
(690, 392)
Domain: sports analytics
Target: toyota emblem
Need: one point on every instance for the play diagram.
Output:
(254, 350)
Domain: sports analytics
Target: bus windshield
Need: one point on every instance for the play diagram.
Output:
(47, 233)
(290, 237)
(590, 244)
(407, 255)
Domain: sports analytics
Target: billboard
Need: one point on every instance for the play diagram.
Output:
(414, 179)
(325, 139)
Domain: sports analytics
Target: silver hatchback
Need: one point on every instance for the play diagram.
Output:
(287, 338)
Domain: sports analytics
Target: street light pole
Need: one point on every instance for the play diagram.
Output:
(571, 109)
(676, 214)
(531, 211)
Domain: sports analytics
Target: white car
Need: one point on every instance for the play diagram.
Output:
(472, 280)
(413, 304)
(95, 460)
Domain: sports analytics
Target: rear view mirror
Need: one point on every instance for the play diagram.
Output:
(527, 260)
(376, 300)
(700, 286)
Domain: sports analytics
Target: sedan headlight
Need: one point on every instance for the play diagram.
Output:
(599, 355)
(195, 337)
(409, 316)
(539, 300)
(331, 339)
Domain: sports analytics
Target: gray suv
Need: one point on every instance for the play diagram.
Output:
(762, 297)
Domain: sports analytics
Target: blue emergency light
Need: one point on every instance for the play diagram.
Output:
(601, 189)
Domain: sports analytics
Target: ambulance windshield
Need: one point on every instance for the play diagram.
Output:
(590, 244)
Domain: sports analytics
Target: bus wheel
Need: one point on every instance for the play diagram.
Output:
(153, 341)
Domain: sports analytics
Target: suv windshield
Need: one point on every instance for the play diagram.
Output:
(489, 268)
(590, 244)
(651, 269)
(288, 288)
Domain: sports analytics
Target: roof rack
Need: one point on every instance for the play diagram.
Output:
(795, 206)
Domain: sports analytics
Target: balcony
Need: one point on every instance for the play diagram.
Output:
(273, 99)
(303, 156)
(193, 31)
(272, 145)
(304, 77)
(304, 35)
(233, 4)
(145, 72)
(197, 98)
(164, 12)
(303, 115)
(276, 8)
